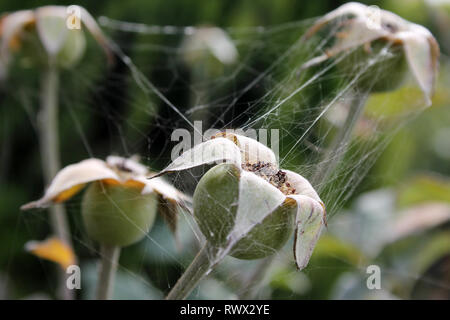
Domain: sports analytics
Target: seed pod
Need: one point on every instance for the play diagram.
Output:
(116, 215)
(216, 201)
(120, 203)
(248, 207)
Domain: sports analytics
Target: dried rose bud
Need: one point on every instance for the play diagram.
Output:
(117, 215)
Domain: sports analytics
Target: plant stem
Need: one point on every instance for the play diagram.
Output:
(333, 156)
(107, 272)
(49, 143)
(196, 271)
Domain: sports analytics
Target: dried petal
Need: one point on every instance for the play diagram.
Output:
(309, 222)
(352, 10)
(127, 165)
(422, 54)
(170, 200)
(208, 152)
(301, 185)
(252, 151)
(52, 249)
(72, 176)
(97, 33)
(257, 199)
(51, 27)
(165, 190)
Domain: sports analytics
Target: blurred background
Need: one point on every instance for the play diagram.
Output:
(397, 218)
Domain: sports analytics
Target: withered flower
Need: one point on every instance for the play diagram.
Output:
(248, 207)
(62, 45)
(120, 203)
(355, 25)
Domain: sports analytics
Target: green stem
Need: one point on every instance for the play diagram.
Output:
(196, 271)
(107, 272)
(49, 142)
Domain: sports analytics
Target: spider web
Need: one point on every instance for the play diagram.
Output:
(153, 89)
